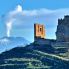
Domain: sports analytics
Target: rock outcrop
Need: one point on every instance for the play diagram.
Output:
(62, 33)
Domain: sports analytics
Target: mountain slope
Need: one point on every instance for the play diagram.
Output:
(29, 58)
(7, 43)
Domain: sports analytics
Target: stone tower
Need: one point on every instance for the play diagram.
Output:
(39, 31)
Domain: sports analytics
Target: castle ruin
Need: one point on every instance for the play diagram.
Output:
(62, 35)
(39, 31)
(39, 35)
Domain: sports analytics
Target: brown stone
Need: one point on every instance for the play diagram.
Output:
(39, 31)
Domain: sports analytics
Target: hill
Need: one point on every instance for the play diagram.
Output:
(32, 56)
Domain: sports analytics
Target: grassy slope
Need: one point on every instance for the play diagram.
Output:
(25, 58)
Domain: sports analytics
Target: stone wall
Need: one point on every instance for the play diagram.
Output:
(43, 41)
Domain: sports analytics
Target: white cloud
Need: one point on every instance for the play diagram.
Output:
(19, 8)
(26, 18)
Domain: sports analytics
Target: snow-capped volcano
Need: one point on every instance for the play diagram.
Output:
(7, 43)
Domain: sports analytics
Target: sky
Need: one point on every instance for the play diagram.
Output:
(17, 17)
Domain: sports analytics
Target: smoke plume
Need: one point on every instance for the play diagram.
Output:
(9, 27)
(11, 18)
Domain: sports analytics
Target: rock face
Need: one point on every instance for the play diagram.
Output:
(62, 33)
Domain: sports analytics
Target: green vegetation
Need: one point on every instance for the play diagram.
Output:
(27, 63)
(31, 57)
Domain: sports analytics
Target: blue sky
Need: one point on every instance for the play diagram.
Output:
(24, 13)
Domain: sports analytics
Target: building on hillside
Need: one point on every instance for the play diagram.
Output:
(62, 35)
(40, 34)
(39, 31)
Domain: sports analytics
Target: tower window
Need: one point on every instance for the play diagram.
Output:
(40, 29)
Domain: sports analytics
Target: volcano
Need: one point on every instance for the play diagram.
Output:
(7, 43)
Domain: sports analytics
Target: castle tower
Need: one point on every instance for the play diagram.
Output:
(39, 31)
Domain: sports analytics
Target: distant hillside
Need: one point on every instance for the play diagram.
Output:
(7, 43)
(32, 56)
